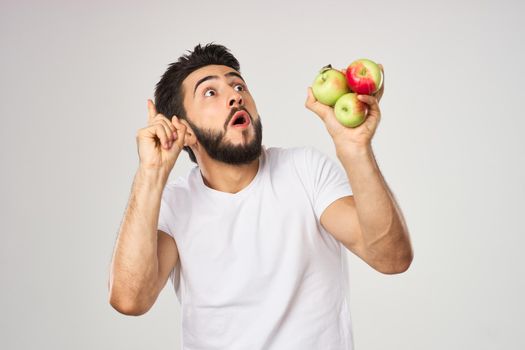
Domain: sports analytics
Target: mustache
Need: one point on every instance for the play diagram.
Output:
(232, 113)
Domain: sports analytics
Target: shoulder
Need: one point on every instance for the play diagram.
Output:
(296, 153)
(306, 162)
(302, 158)
(307, 158)
(180, 186)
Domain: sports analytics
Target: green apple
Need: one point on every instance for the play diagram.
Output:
(329, 85)
(349, 111)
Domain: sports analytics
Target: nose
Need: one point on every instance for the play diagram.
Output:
(235, 100)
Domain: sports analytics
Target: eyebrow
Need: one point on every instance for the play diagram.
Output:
(229, 74)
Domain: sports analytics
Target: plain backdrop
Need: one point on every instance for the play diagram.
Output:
(75, 77)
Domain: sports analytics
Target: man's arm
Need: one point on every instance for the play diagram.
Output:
(143, 257)
(369, 223)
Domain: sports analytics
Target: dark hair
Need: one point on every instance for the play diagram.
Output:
(169, 92)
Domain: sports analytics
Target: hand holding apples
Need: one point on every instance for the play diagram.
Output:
(354, 118)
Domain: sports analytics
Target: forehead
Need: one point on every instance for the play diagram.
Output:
(189, 82)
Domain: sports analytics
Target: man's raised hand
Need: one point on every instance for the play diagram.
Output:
(349, 137)
(160, 143)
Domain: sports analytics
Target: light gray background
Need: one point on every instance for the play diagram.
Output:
(75, 77)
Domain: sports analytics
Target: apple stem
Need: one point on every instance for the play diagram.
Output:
(327, 67)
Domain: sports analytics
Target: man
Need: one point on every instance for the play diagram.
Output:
(252, 236)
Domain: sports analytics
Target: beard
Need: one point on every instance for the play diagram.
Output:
(224, 151)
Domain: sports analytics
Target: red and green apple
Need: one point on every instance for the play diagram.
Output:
(350, 111)
(329, 85)
(364, 76)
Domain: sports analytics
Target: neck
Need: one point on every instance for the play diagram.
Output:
(226, 177)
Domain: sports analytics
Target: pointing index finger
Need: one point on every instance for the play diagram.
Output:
(152, 111)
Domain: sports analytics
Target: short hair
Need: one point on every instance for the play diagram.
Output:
(168, 91)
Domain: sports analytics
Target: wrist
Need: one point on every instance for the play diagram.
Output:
(352, 151)
(152, 177)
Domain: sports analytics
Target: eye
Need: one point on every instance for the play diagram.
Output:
(209, 92)
(239, 87)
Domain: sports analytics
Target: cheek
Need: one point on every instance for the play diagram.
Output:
(252, 108)
(249, 101)
(203, 111)
(212, 116)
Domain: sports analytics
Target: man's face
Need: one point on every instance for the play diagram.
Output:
(214, 96)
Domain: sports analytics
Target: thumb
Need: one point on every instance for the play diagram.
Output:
(180, 132)
(314, 105)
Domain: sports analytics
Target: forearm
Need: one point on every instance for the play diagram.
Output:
(382, 224)
(134, 267)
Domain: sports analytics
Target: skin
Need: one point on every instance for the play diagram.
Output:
(369, 223)
(144, 256)
(209, 109)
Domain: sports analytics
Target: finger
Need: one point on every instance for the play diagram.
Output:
(168, 128)
(371, 101)
(379, 92)
(382, 76)
(160, 132)
(165, 121)
(312, 103)
(152, 110)
(310, 98)
(181, 126)
(178, 123)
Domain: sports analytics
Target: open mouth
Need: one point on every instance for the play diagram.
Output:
(240, 119)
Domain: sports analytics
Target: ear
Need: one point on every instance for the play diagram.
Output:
(190, 138)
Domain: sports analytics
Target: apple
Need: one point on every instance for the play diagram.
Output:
(364, 76)
(349, 111)
(329, 85)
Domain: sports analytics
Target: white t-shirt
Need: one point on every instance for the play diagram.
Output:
(256, 269)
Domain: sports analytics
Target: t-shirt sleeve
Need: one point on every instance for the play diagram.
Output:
(328, 180)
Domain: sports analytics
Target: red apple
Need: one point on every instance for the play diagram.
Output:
(364, 76)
